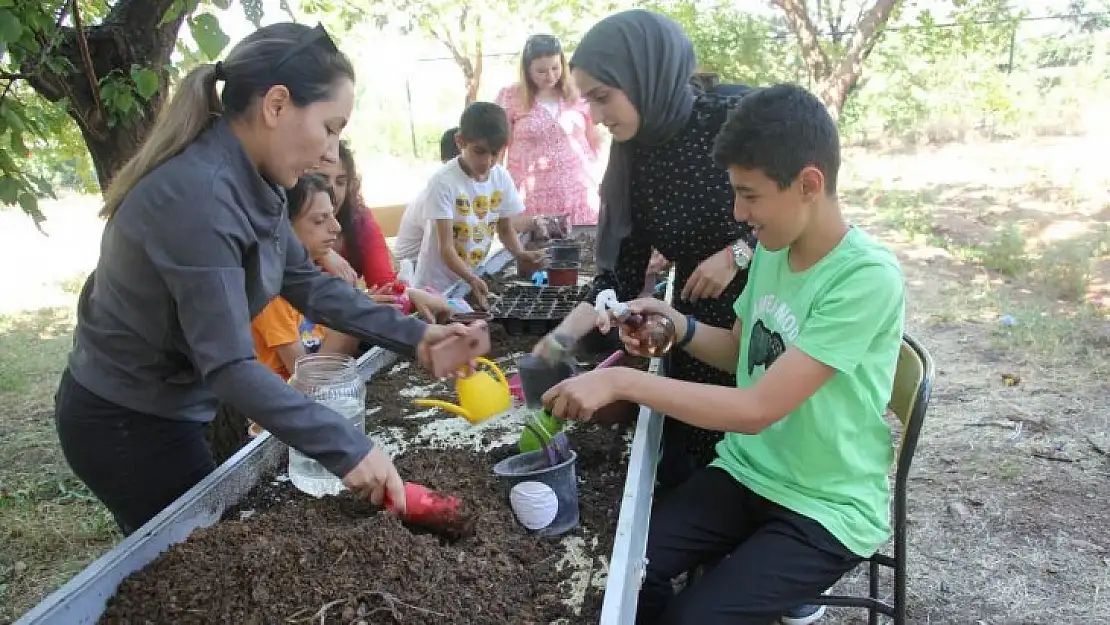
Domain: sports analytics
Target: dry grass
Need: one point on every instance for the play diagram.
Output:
(50, 526)
(1007, 257)
(999, 532)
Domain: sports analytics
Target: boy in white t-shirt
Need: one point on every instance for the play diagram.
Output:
(410, 233)
(467, 201)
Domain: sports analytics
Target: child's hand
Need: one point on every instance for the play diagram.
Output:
(338, 266)
(480, 290)
(645, 306)
(538, 257)
(430, 306)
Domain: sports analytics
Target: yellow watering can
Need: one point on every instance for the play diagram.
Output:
(481, 395)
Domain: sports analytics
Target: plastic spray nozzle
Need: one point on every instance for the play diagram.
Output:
(607, 301)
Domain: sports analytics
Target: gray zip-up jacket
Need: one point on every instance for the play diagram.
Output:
(196, 250)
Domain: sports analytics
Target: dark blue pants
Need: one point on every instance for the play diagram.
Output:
(136, 464)
(765, 559)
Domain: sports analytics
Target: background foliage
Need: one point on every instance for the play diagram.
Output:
(938, 71)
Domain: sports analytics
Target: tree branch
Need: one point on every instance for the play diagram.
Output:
(802, 26)
(140, 15)
(86, 58)
(48, 45)
(864, 38)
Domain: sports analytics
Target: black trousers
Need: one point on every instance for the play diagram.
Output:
(767, 559)
(135, 463)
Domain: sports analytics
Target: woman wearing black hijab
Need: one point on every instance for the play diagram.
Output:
(662, 190)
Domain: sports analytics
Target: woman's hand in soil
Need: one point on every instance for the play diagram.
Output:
(711, 277)
(429, 305)
(338, 266)
(375, 475)
(579, 397)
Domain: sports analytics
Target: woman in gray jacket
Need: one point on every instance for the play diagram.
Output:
(197, 243)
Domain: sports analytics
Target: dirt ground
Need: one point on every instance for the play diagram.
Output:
(368, 566)
(1008, 495)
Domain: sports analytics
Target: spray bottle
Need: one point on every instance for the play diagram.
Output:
(655, 331)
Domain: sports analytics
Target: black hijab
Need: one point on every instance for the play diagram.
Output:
(650, 59)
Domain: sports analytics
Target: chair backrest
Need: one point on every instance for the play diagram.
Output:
(913, 385)
(388, 218)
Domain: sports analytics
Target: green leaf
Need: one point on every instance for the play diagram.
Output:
(171, 13)
(223, 4)
(30, 205)
(11, 114)
(44, 186)
(9, 190)
(4, 4)
(11, 29)
(146, 82)
(209, 36)
(18, 146)
(124, 101)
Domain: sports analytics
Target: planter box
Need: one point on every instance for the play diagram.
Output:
(83, 599)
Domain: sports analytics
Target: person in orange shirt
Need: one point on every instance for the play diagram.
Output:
(281, 333)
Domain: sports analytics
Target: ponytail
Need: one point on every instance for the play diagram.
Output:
(195, 104)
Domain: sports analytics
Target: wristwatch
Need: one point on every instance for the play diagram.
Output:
(740, 254)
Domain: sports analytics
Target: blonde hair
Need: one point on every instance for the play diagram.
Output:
(527, 91)
(303, 59)
(192, 109)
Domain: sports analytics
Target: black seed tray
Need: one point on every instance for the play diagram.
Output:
(536, 308)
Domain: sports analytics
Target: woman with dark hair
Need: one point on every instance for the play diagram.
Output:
(281, 333)
(662, 190)
(196, 244)
(553, 142)
(362, 244)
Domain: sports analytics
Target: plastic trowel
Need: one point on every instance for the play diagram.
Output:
(441, 514)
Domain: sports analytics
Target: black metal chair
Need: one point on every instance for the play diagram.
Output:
(913, 384)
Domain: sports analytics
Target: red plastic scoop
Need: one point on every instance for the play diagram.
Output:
(442, 514)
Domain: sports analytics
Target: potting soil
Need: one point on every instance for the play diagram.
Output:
(282, 557)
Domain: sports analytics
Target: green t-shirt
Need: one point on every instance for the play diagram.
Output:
(829, 459)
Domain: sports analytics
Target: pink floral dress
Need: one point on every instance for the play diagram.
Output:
(550, 159)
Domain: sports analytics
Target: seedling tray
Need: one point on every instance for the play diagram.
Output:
(525, 308)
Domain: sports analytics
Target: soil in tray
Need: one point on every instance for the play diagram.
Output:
(281, 556)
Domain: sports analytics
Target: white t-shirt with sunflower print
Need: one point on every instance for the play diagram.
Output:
(473, 207)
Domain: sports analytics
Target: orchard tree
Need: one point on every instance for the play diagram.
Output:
(104, 64)
(463, 26)
(823, 43)
(834, 59)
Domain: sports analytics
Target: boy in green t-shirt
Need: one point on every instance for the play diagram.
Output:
(798, 493)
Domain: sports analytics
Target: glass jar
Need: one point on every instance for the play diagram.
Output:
(333, 381)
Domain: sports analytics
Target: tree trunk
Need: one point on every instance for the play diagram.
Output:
(836, 78)
(227, 433)
(130, 35)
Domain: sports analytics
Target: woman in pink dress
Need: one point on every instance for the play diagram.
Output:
(553, 143)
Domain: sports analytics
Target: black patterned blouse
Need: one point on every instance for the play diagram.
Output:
(682, 205)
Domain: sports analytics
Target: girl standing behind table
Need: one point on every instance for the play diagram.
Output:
(553, 143)
(662, 190)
